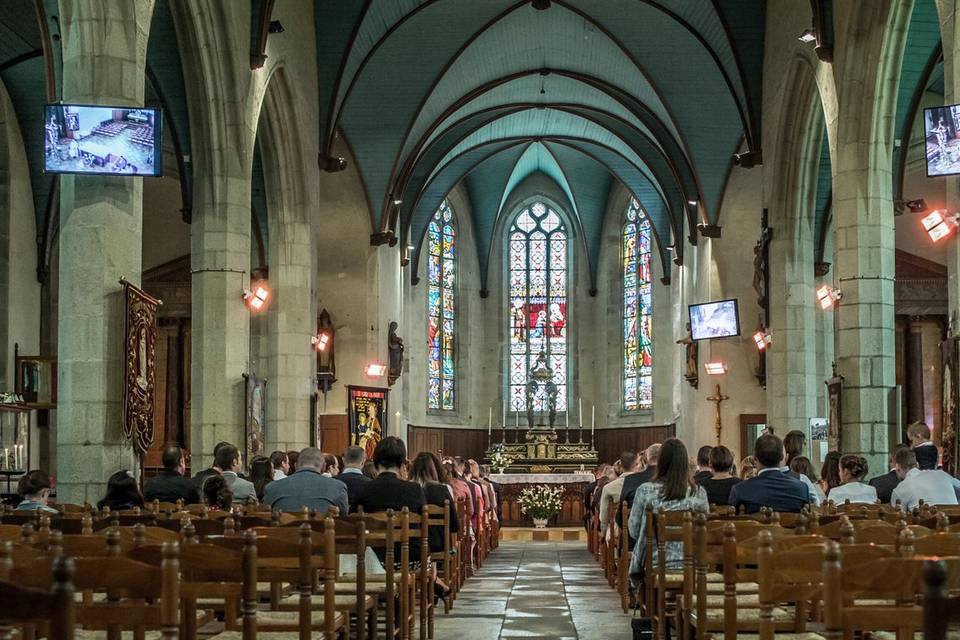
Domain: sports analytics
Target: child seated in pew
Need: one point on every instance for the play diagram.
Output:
(34, 488)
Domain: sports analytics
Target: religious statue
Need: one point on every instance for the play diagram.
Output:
(541, 376)
(326, 360)
(761, 260)
(395, 348)
(692, 374)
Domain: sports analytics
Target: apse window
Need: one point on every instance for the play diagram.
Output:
(637, 311)
(441, 310)
(537, 302)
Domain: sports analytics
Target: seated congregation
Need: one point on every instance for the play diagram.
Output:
(307, 545)
(700, 550)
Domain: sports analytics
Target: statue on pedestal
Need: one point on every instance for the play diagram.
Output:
(395, 349)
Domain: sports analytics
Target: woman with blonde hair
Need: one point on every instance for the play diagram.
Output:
(748, 468)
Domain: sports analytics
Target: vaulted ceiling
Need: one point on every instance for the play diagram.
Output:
(654, 95)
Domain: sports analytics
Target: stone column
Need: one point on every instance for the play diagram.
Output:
(913, 370)
(870, 39)
(104, 52)
(291, 362)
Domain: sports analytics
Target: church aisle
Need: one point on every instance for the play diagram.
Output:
(536, 590)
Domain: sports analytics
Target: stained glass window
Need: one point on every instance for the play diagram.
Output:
(537, 301)
(441, 272)
(637, 311)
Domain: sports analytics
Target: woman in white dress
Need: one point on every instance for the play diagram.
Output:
(852, 471)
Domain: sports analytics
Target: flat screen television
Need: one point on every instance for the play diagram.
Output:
(101, 140)
(942, 146)
(720, 319)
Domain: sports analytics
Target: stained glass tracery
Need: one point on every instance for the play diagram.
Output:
(537, 272)
(441, 311)
(637, 311)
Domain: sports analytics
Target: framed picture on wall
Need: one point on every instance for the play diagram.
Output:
(256, 416)
(367, 416)
(835, 407)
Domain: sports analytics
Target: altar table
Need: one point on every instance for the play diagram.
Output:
(512, 484)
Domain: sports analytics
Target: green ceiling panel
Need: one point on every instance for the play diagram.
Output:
(920, 58)
(394, 82)
(335, 22)
(536, 158)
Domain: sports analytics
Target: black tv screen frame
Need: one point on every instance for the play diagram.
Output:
(148, 165)
(950, 114)
(736, 313)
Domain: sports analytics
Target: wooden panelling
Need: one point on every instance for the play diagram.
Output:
(472, 443)
(334, 433)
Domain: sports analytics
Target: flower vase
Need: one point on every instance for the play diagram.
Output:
(540, 523)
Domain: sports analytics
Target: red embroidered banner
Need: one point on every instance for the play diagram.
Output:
(139, 354)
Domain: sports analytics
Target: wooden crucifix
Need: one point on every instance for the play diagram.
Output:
(718, 397)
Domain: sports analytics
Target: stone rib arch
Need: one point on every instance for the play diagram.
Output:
(793, 384)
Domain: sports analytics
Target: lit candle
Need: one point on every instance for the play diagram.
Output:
(398, 419)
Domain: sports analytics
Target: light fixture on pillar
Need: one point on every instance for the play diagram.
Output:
(938, 224)
(320, 341)
(827, 296)
(763, 339)
(256, 296)
(808, 36)
(715, 368)
(375, 370)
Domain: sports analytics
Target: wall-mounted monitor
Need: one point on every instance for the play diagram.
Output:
(102, 140)
(942, 146)
(720, 319)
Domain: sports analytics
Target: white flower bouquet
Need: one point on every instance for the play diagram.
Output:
(541, 501)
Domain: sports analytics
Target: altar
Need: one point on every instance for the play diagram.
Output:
(513, 484)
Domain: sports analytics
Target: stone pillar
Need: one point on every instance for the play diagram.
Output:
(291, 362)
(913, 370)
(868, 53)
(104, 51)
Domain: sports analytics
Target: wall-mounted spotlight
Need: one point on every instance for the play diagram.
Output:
(375, 370)
(540, 5)
(808, 36)
(715, 368)
(763, 339)
(901, 207)
(320, 341)
(939, 224)
(256, 296)
(397, 202)
(332, 164)
(692, 203)
(827, 296)
(275, 27)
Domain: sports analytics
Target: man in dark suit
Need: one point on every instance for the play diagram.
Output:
(772, 487)
(389, 491)
(886, 483)
(704, 471)
(307, 487)
(352, 474)
(171, 485)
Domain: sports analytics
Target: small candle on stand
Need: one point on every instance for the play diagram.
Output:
(593, 420)
(580, 405)
(489, 420)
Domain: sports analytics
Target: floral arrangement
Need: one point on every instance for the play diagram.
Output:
(500, 460)
(541, 501)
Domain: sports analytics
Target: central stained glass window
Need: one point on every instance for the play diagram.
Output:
(537, 302)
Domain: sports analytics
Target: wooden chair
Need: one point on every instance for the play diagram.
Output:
(214, 573)
(672, 526)
(382, 531)
(438, 519)
(52, 607)
(792, 574)
(939, 609)
(865, 588)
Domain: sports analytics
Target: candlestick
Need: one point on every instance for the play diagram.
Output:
(489, 420)
(593, 422)
(580, 404)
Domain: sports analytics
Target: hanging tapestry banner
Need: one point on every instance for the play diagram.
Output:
(139, 354)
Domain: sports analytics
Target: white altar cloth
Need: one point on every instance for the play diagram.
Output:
(541, 478)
